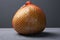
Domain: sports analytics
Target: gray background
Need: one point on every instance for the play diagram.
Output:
(50, 7)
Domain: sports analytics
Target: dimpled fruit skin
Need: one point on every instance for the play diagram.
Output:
(29, 19)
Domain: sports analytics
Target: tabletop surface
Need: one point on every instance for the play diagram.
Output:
(47, 34)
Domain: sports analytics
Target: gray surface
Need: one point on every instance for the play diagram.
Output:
(50, 7)
(48, 34)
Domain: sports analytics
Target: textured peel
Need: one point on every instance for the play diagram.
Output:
(29, 19)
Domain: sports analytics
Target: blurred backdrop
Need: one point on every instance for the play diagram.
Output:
(50, 7)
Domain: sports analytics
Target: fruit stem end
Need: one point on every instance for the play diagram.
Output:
(28, 2)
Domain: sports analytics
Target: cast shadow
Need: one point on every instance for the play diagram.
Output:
(42, 34)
